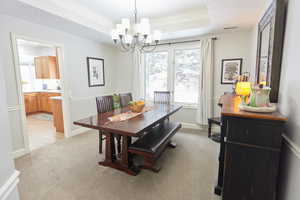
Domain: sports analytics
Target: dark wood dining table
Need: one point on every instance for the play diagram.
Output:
(134, 127)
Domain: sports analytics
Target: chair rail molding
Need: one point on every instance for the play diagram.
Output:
(9, 185)
(14, 108)
(292, 146)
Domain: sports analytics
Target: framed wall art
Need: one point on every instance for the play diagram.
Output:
(95, 72)
(230, 69)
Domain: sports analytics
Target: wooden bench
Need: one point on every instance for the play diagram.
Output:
(153, 144)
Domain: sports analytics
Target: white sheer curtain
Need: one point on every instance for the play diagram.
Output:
(205, 100)
(138, 76)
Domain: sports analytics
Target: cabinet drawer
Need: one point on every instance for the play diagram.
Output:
(254, 132)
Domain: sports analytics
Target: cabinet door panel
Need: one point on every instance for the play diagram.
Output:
(254, 132)
(46, 67)
(26, 102)
(31, 103)
(250, 173)
(43, 102)
(39, 67)
(53, 68)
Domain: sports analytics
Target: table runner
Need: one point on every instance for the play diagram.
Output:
(128, 115)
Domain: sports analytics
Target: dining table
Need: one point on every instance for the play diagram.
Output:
(128, 129)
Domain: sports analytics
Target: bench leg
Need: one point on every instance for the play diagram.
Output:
(149, 164)
(209, 128)
(100, 142)
(172, 144)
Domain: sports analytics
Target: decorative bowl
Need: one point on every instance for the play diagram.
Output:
(266, 109)
(137, 107)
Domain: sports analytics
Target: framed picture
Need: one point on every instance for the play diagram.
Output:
(230, 69)
(95, 71)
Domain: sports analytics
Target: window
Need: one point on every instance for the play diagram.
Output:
(180, 76)
(187, 69)
(156, 66)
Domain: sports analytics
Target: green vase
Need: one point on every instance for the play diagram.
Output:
(260, 97)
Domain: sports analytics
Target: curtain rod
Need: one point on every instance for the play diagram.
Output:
(181, 42)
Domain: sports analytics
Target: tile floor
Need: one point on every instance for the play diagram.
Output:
(41, 131)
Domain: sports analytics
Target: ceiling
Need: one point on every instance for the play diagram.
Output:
(175, 18)
(116, 9)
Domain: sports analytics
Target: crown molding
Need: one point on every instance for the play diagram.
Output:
(74, 12)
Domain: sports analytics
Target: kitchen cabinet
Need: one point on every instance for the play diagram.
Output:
(39, 102)
(46, 67)
(56, 104)
(31, 103)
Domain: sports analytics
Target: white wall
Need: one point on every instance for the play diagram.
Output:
(289, 104)
(7, 165)
(289, 96)
(230, 45)
(75, 51)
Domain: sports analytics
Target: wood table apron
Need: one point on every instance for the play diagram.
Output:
(134, 127)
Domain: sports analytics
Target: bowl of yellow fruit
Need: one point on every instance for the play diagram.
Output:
(136, 106)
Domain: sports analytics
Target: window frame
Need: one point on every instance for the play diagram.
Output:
(171, 69)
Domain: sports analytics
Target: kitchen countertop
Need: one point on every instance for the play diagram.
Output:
(48, 91)
(56, 98)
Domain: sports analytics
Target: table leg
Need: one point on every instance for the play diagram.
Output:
(125, 154)
(110, 157)
(109, 149)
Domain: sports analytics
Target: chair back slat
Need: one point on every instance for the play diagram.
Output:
(104, 103)
(163, 97)
(125, 99)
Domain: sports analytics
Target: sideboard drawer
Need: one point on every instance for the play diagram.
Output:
(254, 132)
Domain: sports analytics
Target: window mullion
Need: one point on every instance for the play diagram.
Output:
(171, 72)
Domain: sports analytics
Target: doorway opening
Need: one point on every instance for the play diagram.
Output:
(41, 90)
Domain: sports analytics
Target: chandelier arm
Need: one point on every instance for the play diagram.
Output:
(124, 46)
(122, 49)
(149, 50)
(133, 46)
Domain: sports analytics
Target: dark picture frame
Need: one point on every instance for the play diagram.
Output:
(95, 68)
(228, 72)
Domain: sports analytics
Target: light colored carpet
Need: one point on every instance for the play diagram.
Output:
(68, 170)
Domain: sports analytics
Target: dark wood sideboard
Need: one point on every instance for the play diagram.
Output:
(249, 152)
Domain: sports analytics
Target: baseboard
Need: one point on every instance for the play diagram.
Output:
(79, 131)
(9, 185)
(292, 146)
(19, 153)
(191, 126)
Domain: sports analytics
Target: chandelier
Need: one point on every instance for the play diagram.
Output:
(130, 37)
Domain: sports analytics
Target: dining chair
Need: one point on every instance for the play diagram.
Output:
(125, 98)
(163, 97)
(106, 104)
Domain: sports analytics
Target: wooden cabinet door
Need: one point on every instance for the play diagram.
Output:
(31, 103)
(39, 63)
(53, 68)
(27, 104)
(250, 173)
(46, 67)
(43, 102)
